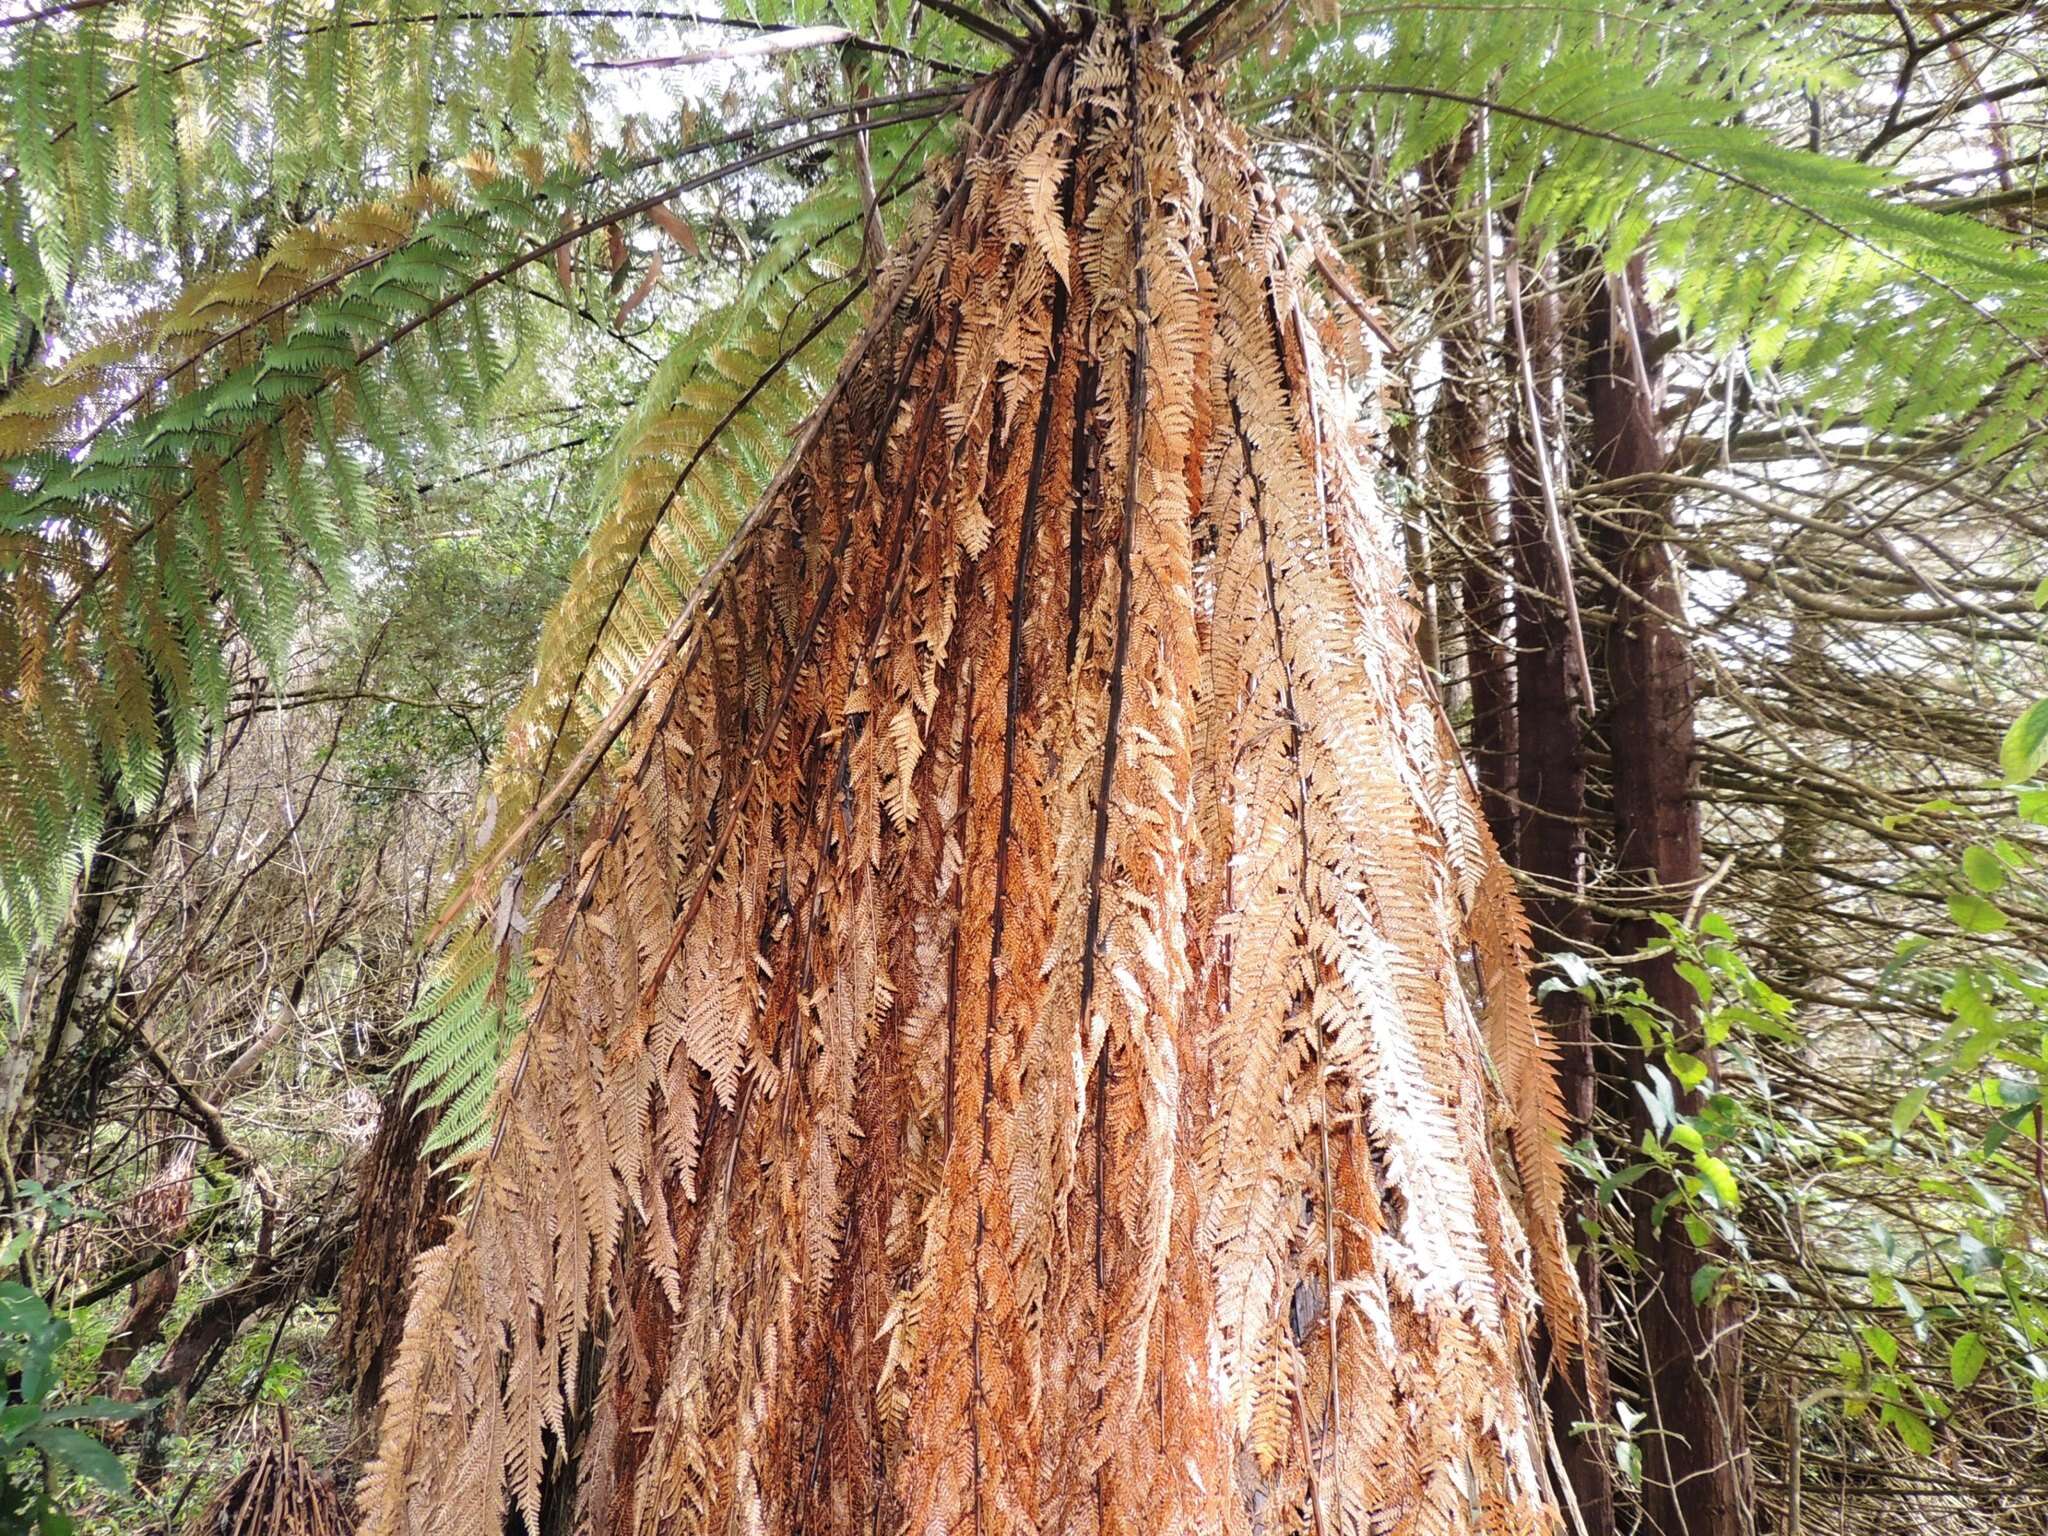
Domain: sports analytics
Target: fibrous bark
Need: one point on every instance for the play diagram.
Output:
(1696, 1473)
(402, 1200)
(1023, 1049)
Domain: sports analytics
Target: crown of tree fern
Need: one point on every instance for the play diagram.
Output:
(173, 468)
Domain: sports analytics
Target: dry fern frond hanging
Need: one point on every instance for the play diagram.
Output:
(1024, 1048)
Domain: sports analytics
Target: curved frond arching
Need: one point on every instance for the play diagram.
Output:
(159, 116)
(146, 513)
(1622, 129)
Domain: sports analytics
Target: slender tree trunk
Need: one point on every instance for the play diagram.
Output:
(1797, 888)
(1461, 464)
(1381, 246)
(1696, 1473)
(59, 1056)
(1550, 833)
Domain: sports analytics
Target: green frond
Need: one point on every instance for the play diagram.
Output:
(685, 467)
(192, 459)
(154, 115)
(463, 1020)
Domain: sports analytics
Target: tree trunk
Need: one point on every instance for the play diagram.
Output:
(1462, 452)
(1002, 1060)
(402, 1204)
(1550, 837)
(1696, 1465)
(62, 1055)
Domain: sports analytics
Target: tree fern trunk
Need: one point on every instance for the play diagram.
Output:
(402, 1202)
(1013, 1053)
(1696, 1474)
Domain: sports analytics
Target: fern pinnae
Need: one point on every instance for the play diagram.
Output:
(1691, 162)
(572, 692)
(1293, 716)
(368, 281)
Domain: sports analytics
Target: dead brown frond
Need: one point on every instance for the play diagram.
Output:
(1009, 1055)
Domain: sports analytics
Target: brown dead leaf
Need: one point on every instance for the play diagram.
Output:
(640, 290)
(677, 228)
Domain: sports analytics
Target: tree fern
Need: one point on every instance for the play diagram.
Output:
(166, 482)
(940, 1233)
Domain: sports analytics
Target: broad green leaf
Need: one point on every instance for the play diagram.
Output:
(1702, 983)
(1983, 869)
(1910, 1305)
(1687, 1068)
(1973, 914)
(1720, 1179)
(21, 1308)
(1912, 1429)
(1907, 1110)
(82, 1454)
(1966, 1359)
(2026, 743)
